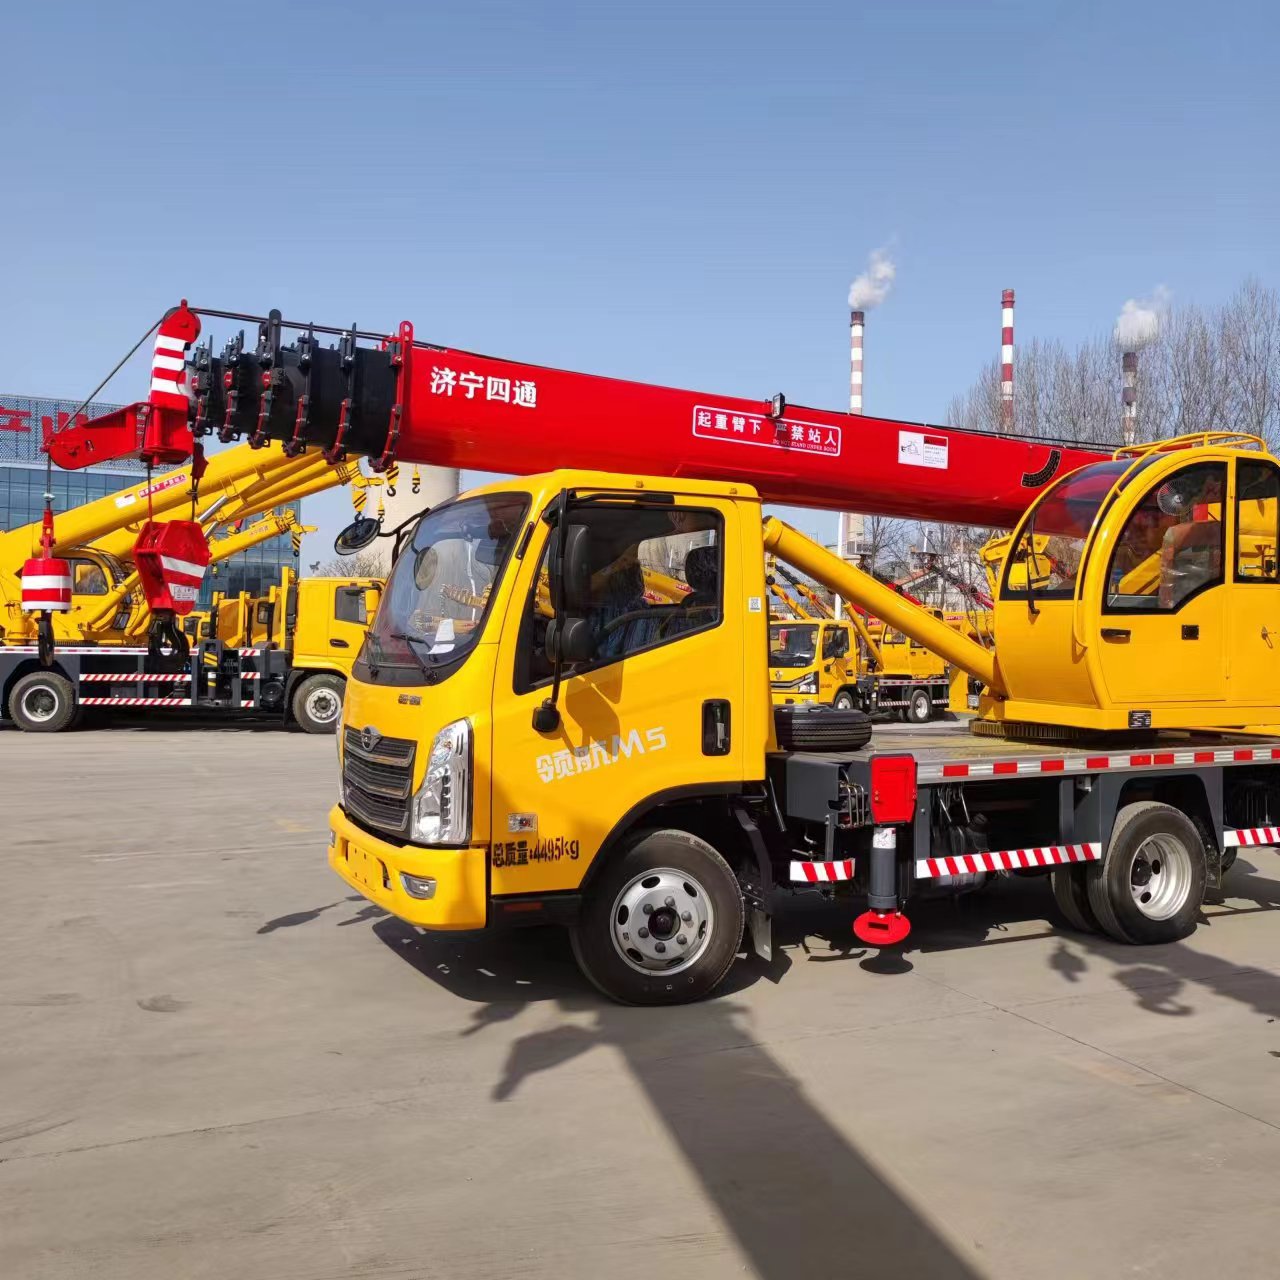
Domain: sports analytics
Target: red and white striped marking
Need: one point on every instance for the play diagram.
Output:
(78, 650)
(856, 321)
(111, 677)
(249, 653)
(178, 330)
(46, 584)
(182, 577)
(1250, 837)
(943, 772)
(146, 702)
(1129, 396)
(1006, 360)
(1052, 855)
(822, 872)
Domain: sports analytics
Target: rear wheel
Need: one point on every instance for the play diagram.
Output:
(661, 923)
(42, 702)
(1150, 885)
(1071, 893)
(919, 707)
(317, 703)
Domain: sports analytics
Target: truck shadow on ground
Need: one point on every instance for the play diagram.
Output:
(798, 1198)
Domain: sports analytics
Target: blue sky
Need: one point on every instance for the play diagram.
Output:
(674, 192)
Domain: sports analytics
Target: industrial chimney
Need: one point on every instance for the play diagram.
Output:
(1129, 396)
(856, 320)
(849, 526)
(1006, 361)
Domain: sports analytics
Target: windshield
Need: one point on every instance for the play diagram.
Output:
(1049, 550)
(438, 594)
(792, 644)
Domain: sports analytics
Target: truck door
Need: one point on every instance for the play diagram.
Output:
(656, 712)
(353, 605)
(839, 658)
(1253, 663)
(1163, 622)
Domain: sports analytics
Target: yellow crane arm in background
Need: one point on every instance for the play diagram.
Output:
(896, 611)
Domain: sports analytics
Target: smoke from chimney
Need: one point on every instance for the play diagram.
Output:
(872, 287)
(1140, 318)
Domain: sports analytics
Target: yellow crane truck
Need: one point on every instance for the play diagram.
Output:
(619, 766)
(297, 671)
(849, 662)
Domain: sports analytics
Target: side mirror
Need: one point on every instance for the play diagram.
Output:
(570, 640)
(357, 535)
(571, 579)
(839, 643)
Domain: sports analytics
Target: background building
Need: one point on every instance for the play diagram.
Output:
(24, 423)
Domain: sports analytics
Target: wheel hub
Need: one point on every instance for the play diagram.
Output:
(662, 921)
(1160, 877)
(323, 706)
(40, 704)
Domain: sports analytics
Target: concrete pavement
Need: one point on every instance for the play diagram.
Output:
(216, 1063)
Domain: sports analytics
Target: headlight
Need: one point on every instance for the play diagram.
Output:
(442, 805)
(809, 684)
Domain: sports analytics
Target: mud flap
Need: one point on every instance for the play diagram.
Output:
(761, 934)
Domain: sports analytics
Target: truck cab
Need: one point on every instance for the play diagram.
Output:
(813, 660)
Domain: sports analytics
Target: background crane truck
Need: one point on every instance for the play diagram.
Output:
(850, 662)
(295, 662)
(618, 765)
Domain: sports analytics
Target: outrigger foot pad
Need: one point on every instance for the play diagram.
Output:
(881, 928)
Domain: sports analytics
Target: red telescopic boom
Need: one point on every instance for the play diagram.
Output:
(394, 399)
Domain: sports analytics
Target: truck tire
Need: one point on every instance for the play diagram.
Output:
(919, 707)
(844, 701)
(1150, 884)
(42, 702)
(1071, 893)
(317, 702)
(684, 896)
(813, 727)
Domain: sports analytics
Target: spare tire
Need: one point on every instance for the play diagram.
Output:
(813, 727)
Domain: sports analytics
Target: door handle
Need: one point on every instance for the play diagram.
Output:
(715, 727)
(339, 644)
(1115, 633)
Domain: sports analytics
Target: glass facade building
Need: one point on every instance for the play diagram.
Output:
(26, 421)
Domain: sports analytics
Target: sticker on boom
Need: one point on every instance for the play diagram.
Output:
(711, 423)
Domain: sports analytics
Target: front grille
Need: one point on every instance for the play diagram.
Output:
(378, 781)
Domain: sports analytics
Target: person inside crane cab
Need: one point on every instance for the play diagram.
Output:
(1171, 547)
(655, 577)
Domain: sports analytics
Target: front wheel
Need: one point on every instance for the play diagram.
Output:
(317, 703)
(919, 707)
(662, 922)
(843, 701)
(42, 702)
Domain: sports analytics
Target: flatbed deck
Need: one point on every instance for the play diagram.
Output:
(949, 749)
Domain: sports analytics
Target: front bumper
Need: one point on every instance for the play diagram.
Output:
(373, 868)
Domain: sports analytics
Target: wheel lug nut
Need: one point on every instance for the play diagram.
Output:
(670, 902)
(687, 917)
(682, 940)
(626, 937)
(659, 946)
(644, 933)
(647, 908)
